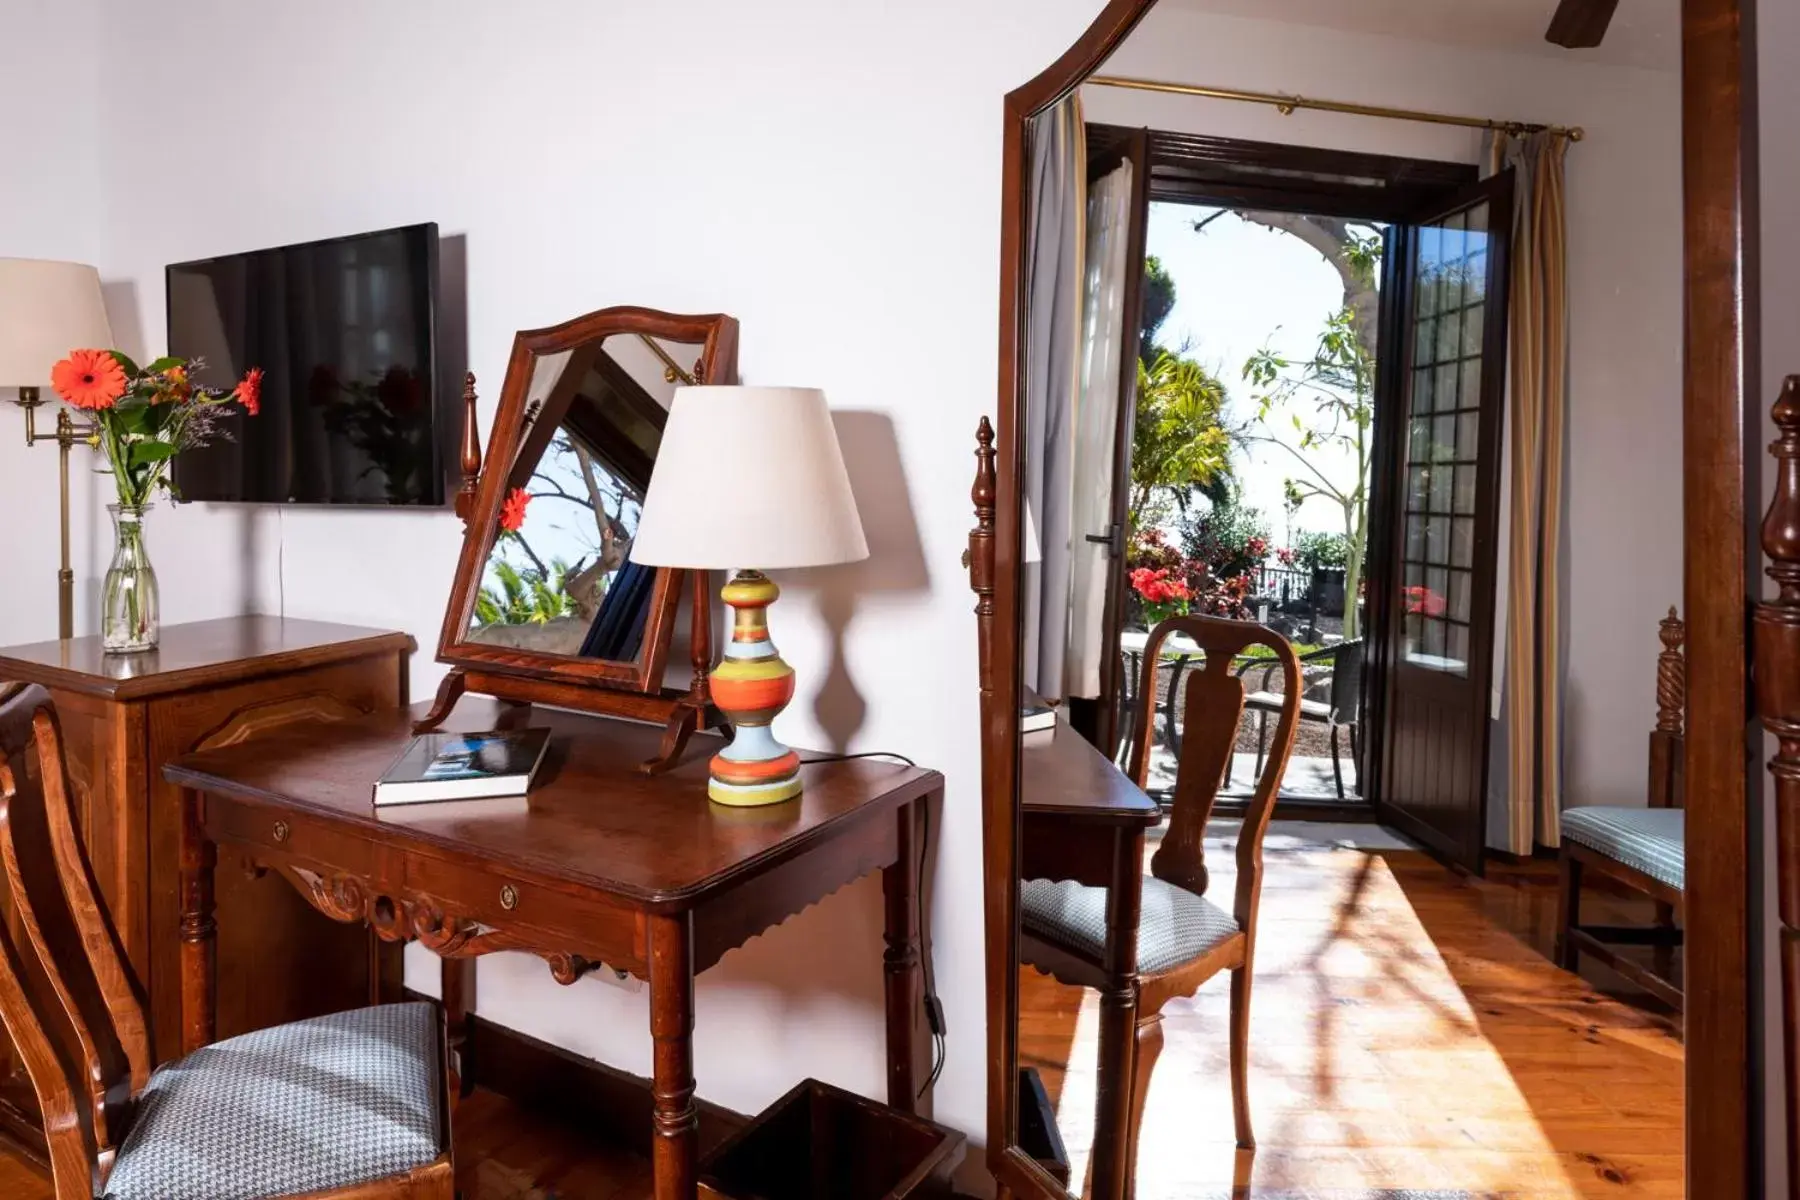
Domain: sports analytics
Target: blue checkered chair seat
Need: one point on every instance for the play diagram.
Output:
(1174, 925)
(315, 1105)
(1651, 840)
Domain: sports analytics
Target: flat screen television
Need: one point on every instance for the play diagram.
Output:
(345, 332)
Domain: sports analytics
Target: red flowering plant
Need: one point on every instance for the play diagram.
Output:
(1163, 594)
(145, 416)
(1425, 602)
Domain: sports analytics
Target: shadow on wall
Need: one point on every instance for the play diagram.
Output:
(895, 566)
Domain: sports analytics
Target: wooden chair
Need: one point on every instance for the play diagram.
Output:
(1340, 669)
(1642, 848)
(1184, 939)
(351, 1106)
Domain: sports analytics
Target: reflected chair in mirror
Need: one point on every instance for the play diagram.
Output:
(1643, 848)
(1339, 669)
(351, 1105)
(548, 604)
(1183, 938)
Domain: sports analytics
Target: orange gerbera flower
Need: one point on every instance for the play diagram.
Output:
(174, 387)
(249, 391)
(89, 379)
(512, 512)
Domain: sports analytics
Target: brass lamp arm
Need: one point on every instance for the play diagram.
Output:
(69, 432)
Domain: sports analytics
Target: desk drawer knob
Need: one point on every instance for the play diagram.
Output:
(281, 831)
(509, 897)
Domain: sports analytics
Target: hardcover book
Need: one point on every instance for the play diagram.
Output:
(464, 766)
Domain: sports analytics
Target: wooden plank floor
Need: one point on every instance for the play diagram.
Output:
(1410, 1038)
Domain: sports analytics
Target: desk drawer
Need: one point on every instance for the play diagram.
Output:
(287, 836)
(551, 919)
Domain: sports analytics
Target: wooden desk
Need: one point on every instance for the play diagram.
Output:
(210, 683)
(1084, 820)
(608, 866)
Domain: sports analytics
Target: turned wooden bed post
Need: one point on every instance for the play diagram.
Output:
(1777, 646)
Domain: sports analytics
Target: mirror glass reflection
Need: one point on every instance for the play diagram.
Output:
(559, 578)
(1293, 679)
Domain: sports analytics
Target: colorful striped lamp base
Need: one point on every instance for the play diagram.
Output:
(751, 685)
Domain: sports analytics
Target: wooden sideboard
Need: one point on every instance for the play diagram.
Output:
(208, 684)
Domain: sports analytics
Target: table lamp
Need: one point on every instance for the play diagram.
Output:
(750, 475)
(46, 310)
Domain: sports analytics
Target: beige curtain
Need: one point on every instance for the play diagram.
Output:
(1537, 420)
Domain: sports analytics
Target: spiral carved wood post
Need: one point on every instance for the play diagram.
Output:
(979, 557)
(1777, 648)
(1671, 701)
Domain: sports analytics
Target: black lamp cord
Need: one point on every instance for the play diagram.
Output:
(934, 1008)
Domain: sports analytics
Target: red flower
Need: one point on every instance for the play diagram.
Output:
(1257, 547)
(398, 391)
(512, 512)
(89, 379)
(1286, 556)
(249, 390)
(1425, 601)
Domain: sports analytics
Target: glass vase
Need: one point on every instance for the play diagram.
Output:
(128, 608)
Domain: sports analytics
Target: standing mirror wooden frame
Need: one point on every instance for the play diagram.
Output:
(1720, 451)
(547, 605)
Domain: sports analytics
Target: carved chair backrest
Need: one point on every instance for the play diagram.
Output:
(1212, 709)
(72, 1008)
(1666, 740)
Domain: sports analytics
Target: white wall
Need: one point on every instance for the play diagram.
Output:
(1624, 222)
(828, 174)
(50, 209)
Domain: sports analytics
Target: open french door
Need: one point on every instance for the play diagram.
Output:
(1432, 599)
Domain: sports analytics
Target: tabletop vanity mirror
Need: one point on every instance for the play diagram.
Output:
(547, 604)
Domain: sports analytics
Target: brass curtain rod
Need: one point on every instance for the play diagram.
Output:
(1287, 104)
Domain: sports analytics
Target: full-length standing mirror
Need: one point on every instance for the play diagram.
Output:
(1292, 843)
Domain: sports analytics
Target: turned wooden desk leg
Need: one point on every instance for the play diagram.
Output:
(198, 930)
(675, 1122)
(900, 888)
(1111, 1159)
(456, 977)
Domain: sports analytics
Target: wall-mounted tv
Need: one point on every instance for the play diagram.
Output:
(345, 332)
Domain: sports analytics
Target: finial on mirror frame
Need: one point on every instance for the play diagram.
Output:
(471, 453)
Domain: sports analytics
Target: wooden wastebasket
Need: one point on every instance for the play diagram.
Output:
(819, 1142)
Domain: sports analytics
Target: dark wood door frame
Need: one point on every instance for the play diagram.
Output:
(1238, 173)
(1721, 423)
(1721, 432)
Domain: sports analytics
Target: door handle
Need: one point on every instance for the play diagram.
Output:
(1113, 539)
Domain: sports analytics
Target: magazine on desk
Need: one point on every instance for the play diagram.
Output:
(463, 766)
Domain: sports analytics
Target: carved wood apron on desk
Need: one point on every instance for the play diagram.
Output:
(210, 683)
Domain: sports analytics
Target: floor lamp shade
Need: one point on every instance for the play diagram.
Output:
(46, 310)
(750, 478)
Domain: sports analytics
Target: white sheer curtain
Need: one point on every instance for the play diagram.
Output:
(1096, 426)
(1053, 294)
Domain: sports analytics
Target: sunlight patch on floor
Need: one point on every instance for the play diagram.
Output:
(1380, 1060)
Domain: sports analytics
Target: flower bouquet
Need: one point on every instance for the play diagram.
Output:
(143, 417)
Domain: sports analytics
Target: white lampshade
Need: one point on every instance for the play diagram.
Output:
(749, 477)
(46, 310)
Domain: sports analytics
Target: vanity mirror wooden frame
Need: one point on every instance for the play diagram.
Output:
(622, 688)
(1723, 405)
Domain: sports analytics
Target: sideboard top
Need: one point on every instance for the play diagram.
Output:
(195, 654)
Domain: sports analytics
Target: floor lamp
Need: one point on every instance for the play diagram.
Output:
(46, 310)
